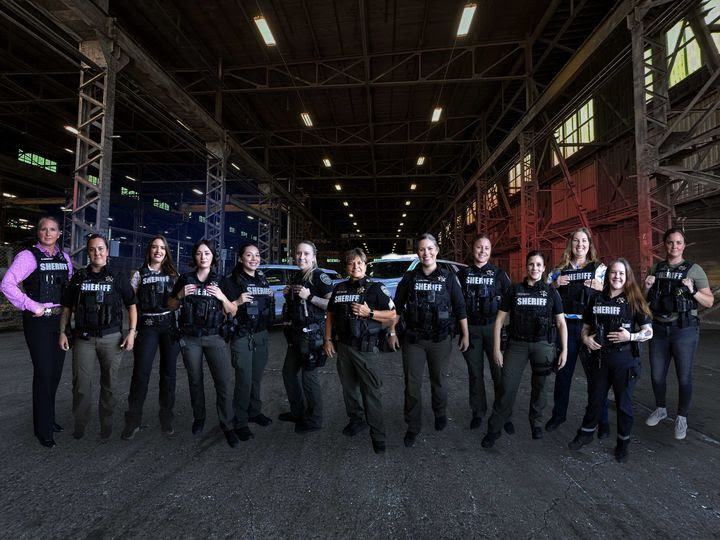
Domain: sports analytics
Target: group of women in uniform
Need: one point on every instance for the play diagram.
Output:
(583, 309)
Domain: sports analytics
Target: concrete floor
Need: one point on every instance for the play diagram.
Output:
(327, 485)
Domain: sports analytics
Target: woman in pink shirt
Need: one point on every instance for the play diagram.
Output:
(44, 270)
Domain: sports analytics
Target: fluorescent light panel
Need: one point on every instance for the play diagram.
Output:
(421, 160)
(327, 162)
(197, 191)
(338, 187)
(407, 203)
(436, 114)
(306, 119)
(235, 166)
(413, 187)
(72, 129)
(131, 178)
(345, 203)
(265, 32)
(466, 19)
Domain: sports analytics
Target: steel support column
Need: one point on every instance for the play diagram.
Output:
(269, 231)
(93, 148)
(528, 196)
(217, 153)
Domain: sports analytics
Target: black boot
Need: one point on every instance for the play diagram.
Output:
(581, 439)
(622, 453)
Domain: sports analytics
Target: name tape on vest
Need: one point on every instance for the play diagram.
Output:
(606, 310)
(425, 286)
(474, 280)
(95, 287)
(347, 298)
(530, 301)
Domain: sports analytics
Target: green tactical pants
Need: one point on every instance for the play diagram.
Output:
(249, 359)
(481, 345)
(361, 383)
(515, 359)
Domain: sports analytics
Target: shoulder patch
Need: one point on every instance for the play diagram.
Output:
(259, 272)
(325, 279)
(384, 289)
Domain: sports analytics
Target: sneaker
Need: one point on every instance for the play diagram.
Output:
(680, 427)
(440, 423)
(509, 428)
(656, 416)
(129, 432)
(489, 439)
(581, 439)
(354, 427)
(603, 430)
(476, 422)
(260, 420)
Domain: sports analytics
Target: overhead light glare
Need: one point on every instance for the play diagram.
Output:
(116, 136)
(351, 215)
(466, 19)
(401, 224)
(355, 223)
(130, 178)
(413, 187)
(404, 215)
(345, 203)
(197, 191)
(436, 114)
(69, 151)
(407, 203)
(306, 119)
(235, 166)
(421, 160)
(72, 129)
(358, 230)
(338, 187)
(327, 162)
(265, 32)
(251, 217)
(9, 195)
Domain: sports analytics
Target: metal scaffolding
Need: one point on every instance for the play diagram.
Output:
(93, 149)
(528, 196)
(670, 143)
(269, 230)
(217, 154)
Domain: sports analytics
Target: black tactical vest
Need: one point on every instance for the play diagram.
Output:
(301, 313)
(667, 295)
(99, 308)
(531, 315)
(202, 314)
(482, 293)
(575, 295)
(154, 290)
(49, 279)
(429, 306)
(359, 332)
(610, 315)
(257, 315)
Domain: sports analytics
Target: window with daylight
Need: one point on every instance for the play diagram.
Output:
(201, 219)
(161, 205)
(682, 45)
(515, 176)
(576, 130)
(129, 193)
(37, 161)
(92, 179)
(491, 197)
(243, 233)
(231, 229)
(471, 212)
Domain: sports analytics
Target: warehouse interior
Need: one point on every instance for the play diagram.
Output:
(364, 123)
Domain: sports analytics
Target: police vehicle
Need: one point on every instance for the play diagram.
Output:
(390, 269)
(279, 275)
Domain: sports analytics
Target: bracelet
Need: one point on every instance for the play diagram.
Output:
(392, 333)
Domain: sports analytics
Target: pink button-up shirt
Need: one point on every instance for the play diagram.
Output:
(24, 265)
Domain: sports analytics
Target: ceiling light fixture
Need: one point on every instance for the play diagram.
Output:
(183, 125)
(197, 191)
(251, 217)
(466, 19)
(413, 187)
(265, 32)
(345, 203)
(436, 114)
(351, 215)
(327, 162)
(235, 166)
(421, 160)
(338, 187)
(306, 119)
(72, 129)
(131, 178)
(404, 215)
(407, 203)
(69, 151)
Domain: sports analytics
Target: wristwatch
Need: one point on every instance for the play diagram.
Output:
(372, 313)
